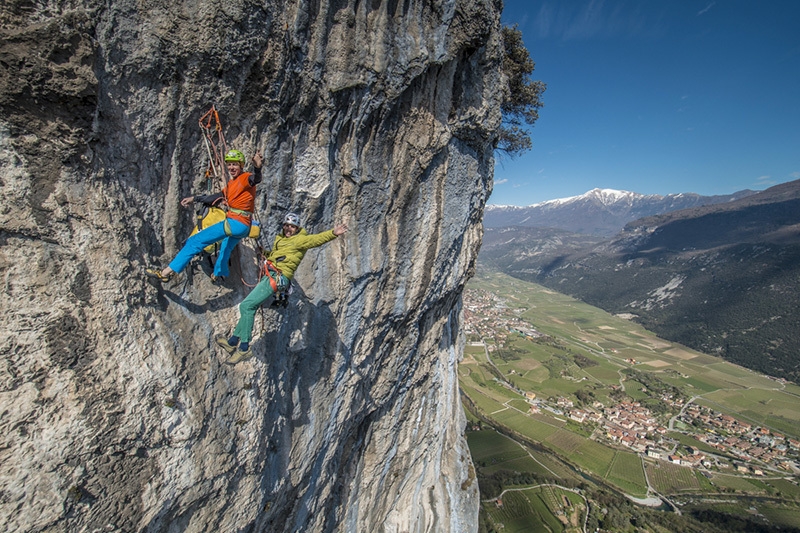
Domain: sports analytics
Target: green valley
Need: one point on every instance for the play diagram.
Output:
(584, 421)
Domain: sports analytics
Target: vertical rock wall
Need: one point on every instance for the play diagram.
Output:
(116, 411)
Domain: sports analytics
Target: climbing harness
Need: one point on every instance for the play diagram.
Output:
(255, 226)
(280, 290)
(269, 267)
(241, 212)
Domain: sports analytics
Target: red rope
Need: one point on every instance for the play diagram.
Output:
(214, 139)
(260, 271)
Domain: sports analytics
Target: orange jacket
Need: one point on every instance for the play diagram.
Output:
(240, 194)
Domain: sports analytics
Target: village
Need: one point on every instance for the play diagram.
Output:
(737, 445)
(487, 317)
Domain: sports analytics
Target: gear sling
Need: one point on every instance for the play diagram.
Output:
(279, 289)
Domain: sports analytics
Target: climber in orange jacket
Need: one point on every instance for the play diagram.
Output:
(288, 250)
(240, 197)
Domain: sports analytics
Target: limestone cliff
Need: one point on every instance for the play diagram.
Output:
(116, 411)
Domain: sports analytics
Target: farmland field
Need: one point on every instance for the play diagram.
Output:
(626, 472)
(524, 425)
(584, 452)
(521, 464)
(738, 483)
(492, 447)
(522, 510)
(669, 478)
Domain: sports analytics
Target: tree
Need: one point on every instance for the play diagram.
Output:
(584, 396)
(522, 96)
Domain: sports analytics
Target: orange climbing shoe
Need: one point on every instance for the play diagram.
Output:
(156, 273)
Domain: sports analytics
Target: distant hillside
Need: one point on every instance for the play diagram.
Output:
(601, 212)
(722, 279)
(530, 250)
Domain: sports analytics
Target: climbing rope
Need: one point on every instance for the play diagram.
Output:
(260, 255)
(216, 148)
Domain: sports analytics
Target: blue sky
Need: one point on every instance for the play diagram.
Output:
(657, 97)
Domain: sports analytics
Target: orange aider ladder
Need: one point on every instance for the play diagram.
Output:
(216, 148)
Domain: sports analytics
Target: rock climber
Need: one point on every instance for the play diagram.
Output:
(240, 197)
(288, 250)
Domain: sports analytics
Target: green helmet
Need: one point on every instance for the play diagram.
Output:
(235, 156)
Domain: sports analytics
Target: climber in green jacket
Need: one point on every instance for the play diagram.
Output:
(288, 250)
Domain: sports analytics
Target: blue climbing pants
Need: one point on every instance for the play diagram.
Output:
(212, 235)
(250, 305)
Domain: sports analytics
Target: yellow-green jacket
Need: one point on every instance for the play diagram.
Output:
(287, 252)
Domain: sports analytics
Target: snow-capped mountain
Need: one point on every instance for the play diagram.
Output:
(601, 212)
(718, 278)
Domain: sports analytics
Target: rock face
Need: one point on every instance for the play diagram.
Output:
(116, 411)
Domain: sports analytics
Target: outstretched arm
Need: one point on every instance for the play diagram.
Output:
(306, 242)
(255, 177)
(208, 199)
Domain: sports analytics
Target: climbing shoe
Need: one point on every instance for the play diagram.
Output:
(240, 356)
(156, 273)
(280, 300)
(223, 343)
(217, 280)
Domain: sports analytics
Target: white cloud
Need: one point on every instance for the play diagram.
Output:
(765, 181)
(500, 182)
(705, 10)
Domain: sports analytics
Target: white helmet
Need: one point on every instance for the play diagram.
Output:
(292, 218)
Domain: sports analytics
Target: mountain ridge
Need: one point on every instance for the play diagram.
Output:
(719, 278)
(601, 212)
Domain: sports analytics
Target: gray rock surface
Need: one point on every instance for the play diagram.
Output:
(116, 411)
